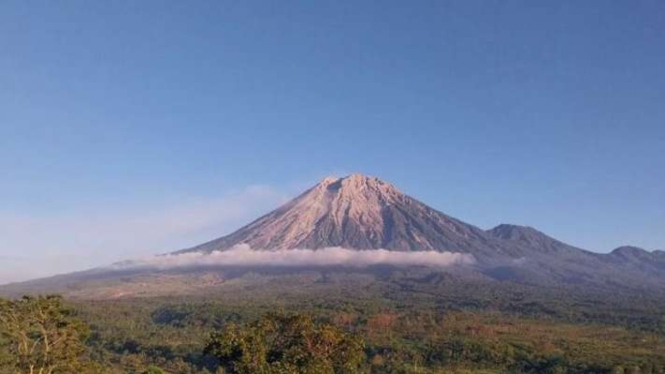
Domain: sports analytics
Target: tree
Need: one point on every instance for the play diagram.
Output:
(42, 336)
(278, 344)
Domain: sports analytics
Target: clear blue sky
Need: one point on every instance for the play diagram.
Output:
(544, 113)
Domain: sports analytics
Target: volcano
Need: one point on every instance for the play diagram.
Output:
(364, 213)
(357, 212)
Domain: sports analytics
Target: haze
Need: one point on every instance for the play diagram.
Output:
(128, 130)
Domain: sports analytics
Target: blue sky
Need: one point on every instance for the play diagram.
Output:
(130, 128)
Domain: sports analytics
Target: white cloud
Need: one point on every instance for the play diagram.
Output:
(243, 255)
(37, 246)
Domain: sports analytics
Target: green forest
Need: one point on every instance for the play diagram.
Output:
(468, 330)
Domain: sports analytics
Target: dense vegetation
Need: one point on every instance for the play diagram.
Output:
(282, 344)
(39, 335)
(398, 327)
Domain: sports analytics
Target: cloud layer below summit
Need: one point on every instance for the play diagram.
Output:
(243, 255)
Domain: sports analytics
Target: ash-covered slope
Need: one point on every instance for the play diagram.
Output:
(358, 212)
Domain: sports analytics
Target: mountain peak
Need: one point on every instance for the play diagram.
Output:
(630, 251)
(364, 189)
(516, 232)
(356, 180)
(530, 237)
